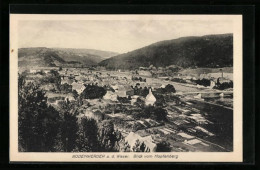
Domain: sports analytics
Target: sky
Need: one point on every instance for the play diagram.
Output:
(112, 35)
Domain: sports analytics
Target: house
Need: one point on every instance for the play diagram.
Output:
(121, 93)
(48, 87)
(134, 99)
(212, 84)
(110, 96)
(132, 138)
(185, 135)
(129, 91)
(228, 76)
(69, 98)
(124, 90)
(223, 80)
(78, 87)
(145, 73)
(204, 76)
(94, 114)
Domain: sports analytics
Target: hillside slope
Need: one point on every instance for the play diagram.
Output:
(41, 56)
(204, 51)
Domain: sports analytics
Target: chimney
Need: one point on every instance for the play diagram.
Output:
(221, 73)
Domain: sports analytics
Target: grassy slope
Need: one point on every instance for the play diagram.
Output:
(206, 51)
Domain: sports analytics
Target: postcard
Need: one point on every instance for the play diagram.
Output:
(125, 88)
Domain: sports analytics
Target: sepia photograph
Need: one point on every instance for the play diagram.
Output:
(126, 88)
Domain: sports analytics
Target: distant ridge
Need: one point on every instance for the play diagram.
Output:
(194, 51)
(48, 57)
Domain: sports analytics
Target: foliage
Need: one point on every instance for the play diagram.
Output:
(69, 129)
(224, 85)
(178, 80)
(41, 73)
(54, 73)
(75, 94)
(160, 101)
(108, 137)
(54, 78)
(38, 123)
(139, 147)
(124, 146)
(88, 136)
(203, 82)
(139, 102)
(66, 88)
(163, 147)
(141, 92)
(169, 88)
(205, 51)
(156, 113)
(166, 90)
(123, 99)
(93, 92)
(139, 78)
(137, 126)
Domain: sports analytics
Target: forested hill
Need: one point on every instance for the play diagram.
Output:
(41, 56)
(203, 51)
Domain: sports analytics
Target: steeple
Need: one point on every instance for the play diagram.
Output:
(150, 99)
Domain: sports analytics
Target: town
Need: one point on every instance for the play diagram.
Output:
(152, 109)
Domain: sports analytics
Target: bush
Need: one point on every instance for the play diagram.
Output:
(69, 129)
(224, 85)
(156, 113)
(178, 80)
(93, 92)
(203, 82)
(123, 99)
(163, 147)
(170, 88)
(66, 88)
(108, 137)
(88, 136)
(139, 147)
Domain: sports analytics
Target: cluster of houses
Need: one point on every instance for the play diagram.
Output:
(122, 85)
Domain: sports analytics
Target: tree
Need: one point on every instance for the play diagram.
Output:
(139, 102)
(123, 99)
(21, 81)
(170, 88)
(69, 129)
(139, 147)
(156, 113)
(66, 88)
(145, 92)
(88, 136)
(38, 123)
(75, 94)
(93, 92)
(124, 146)
(54, 73)
(159, 114)
(163, 147)
(160, 101)
(55, 78)
(108, 137)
